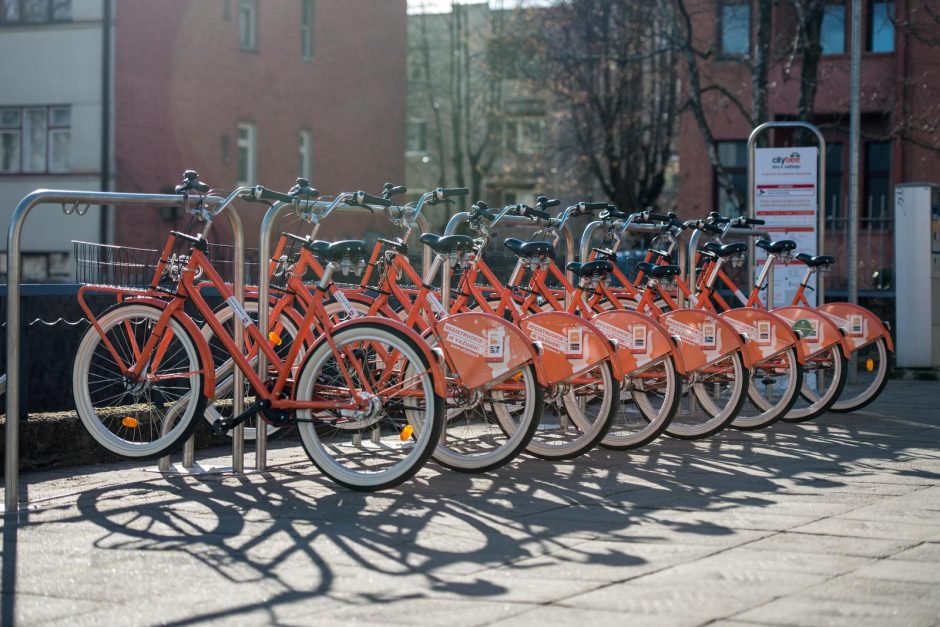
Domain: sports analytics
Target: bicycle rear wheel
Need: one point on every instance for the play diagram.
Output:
(152, 415)
(773, 389)
(823, 380)
(385, 443)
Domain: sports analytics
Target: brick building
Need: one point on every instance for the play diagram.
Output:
(240, 90)
(900, 80)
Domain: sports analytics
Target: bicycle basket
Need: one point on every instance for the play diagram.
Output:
(118, 266)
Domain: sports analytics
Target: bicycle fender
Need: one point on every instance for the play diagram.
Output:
(205, 355)
(570, 345)
(767, 335)
(817, 332)
(861, 326)
(703, 338)
(640, 339)
(482, 347)
(437, 374)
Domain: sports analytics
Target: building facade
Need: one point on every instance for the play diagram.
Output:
(242, 91)
(900, 79)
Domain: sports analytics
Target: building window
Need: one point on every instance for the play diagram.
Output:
(416, 139)
(35, 11)
(881, 26)
(247, 153)
(306, 29)
(832, 33)
(735, 30)
(248, 24)
(35, 140)
(304, 152)
(834, 170)
(733, 158)
(524, 135)
(877, 186)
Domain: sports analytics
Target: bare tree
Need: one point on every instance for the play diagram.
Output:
(616, 83)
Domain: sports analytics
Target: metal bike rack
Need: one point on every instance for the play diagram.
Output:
(464, 216)
(72, 202)
(585, 249)
(821, 196)
(272, 218)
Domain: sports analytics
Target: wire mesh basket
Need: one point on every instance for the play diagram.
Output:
(118, 266)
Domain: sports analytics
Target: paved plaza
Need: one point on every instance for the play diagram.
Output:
(832, 522)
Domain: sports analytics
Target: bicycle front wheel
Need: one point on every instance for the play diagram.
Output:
(577, 414)
(385, 441)
(823, 380)
(865, 378)
(715, 394)
(147, 416)
(648, 403)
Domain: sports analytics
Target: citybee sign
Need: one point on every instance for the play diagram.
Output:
(786, 197)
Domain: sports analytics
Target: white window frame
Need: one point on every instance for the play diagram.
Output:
(24, 146)
(247, 142)
(305, 154)
(307, 21)
(248, 25)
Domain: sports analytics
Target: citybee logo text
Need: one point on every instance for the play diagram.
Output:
(792, 160)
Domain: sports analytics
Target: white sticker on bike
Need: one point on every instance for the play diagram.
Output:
(435, 304)
(239, 311)
(351, 311)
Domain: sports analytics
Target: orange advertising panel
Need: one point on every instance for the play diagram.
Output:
(482, 347)
(817, 332)
(641, 340)
(861, 326)
(767, 335)
(570, 345)
(703, 337)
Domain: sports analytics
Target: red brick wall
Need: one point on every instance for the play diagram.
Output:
(182, 85)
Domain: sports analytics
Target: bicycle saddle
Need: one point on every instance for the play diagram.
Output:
(598, 267)
(726, 250)
(815, 262)
(658, 272)
(530, 249)
(777, 246)
(349, 248)
(447, 243)
(318, 246)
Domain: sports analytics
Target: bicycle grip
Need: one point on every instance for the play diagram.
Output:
(756, 221)
(659, 216)
(529, 212)
(455, 191)
(369, 199)
(711, 228)
(545, 203)
(591, 206)
(393, 190)
(262, 193)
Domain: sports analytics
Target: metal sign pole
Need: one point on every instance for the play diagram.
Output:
(821, 197)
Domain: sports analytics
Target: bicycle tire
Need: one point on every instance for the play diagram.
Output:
(871, 392)
(118, 419)
(716, 418)
(386, 429)
(820, 403)
(653, 421)
(767, 412)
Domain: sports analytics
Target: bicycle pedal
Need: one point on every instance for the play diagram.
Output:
(220, 426)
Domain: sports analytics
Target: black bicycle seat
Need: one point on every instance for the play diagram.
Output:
(447, 243)
(656, 271)
(598, 267)
(349, 249)
(726, 250)
(776, 246)
(530, 249)
(815, 262)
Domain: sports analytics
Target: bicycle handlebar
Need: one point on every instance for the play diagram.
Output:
(362, 198)
(259, 192)
(191, 182)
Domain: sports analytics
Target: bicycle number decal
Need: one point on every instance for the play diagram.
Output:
(709, 333)
(346, 305)
(575, 342)
(495, 342)
(435, 304)
(639, 339)
(240, 311)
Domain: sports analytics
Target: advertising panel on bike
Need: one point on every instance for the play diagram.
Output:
(786, 197)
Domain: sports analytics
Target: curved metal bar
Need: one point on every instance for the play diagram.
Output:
(821, 196)
(737, 233)
(14, 270)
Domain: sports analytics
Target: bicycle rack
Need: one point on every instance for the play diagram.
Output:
(71, 202)
(272, 218)
(585, 249)
(458, 218)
